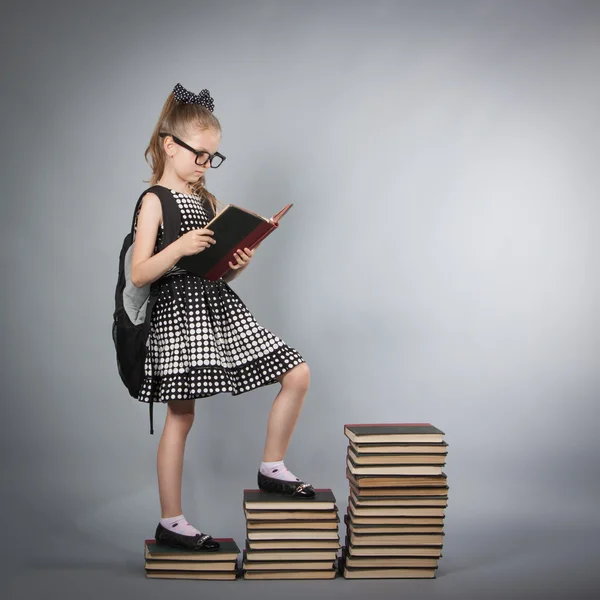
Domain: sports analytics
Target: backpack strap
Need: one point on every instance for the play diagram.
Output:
(171, 224)
(170, 211)
(171, 214)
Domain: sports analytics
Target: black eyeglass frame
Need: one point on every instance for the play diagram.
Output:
(197, 152)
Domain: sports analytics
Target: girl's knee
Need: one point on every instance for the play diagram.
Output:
(183, 422)
(180, 414)
(298, 377)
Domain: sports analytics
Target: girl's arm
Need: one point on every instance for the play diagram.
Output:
(146, 268)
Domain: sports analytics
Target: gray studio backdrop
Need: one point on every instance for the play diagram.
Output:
(440, 263)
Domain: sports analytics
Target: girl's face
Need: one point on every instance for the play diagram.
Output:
(184, 161)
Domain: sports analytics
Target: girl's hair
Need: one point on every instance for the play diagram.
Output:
(177, 118)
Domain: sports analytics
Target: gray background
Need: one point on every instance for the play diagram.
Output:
(440, 264)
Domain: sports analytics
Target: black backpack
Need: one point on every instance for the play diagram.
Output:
(133, 305)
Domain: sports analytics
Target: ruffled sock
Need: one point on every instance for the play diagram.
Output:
(277, 470)
(178, 524)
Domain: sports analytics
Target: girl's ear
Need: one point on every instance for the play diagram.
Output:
(168, 144)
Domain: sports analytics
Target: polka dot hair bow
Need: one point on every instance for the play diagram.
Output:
(184, 96)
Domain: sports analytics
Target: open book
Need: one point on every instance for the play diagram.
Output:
(234, 228)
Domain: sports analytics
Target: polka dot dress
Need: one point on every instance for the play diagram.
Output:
(203, 340)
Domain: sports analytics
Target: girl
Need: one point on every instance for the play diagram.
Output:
(203, 340)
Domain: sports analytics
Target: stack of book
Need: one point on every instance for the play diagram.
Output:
(290, 538)
(398, 496)
(167, 562)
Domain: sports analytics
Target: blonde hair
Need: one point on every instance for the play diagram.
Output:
(177, 118)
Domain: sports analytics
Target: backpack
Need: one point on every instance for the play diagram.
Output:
(133, 305)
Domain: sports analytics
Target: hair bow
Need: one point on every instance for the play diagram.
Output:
(184, 96)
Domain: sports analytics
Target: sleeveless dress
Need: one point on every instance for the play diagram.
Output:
(203, 340)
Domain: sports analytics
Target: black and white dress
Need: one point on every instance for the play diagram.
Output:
(203, 340)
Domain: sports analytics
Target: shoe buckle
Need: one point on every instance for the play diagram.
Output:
(302, 486)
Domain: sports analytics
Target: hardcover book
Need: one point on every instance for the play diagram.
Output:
(293, 544)
(413, 519)
(371, 458)
(293, 534)
(396, 481)
(398, 561)
(353, 527)
(208, 575)
(396, 539)
(395, 501)
(291, 515)
(257, 499)
(388, 573)
(392, 492)
(389, 551)
(400, 448)
(286, 565)
(320, 525)
(297, 554)
(234, 228)
(320, 574)
(228, 550)
(383, 469)
(392, 432)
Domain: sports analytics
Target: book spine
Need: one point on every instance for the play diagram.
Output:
(251, 240)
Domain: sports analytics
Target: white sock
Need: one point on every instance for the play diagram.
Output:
(277, 470)
(178, 524)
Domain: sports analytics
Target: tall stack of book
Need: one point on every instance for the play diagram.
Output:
(162, 561)
(290, 538)
(398, 496)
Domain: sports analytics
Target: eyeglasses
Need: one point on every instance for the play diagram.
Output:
(202, 157)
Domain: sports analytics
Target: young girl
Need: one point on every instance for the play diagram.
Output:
(203, 340)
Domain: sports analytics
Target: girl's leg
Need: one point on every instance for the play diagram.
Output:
(173, 529)
(169, 460)
(285, 411)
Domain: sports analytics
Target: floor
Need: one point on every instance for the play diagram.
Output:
(482, 560)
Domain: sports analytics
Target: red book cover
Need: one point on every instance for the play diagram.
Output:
(234, 228)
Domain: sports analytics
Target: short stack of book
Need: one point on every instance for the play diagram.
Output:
(290, 538)
(398, 496)
(167, 562)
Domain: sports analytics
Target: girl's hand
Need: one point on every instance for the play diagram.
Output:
(195, 241)
(242, 257)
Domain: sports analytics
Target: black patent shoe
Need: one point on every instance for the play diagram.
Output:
(298, 489)
(200, 541)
